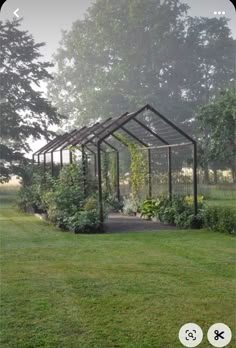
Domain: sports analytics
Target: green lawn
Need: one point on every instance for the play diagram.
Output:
(105, 291)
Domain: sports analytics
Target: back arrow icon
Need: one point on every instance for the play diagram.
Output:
(15, 13)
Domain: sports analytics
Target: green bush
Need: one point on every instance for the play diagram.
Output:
(167, 214)
(26, 199)
(149, 208)
(31, 193)
(85, 222)
(131, 205)
(221, 219)
(63, 199)
(113, 204)
(178, 210)
(90, 203)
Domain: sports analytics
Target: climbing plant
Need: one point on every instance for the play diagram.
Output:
(138, 165)
(88, 181)
(105, 172)
(113, 171)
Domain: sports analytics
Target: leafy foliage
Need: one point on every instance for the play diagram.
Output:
(26, 199)
(178, 211)
(85, 222)
(217, 125)
(149, 208)
(113, 204)
(147, 51)
(131, 205)
(25, 112)
(138, 167)
(220, 219)
(63, 199)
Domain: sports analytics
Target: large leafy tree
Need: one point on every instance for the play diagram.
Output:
(122, 55)
(25, 112)
(217, 125)
(128, 53)
(208, 59)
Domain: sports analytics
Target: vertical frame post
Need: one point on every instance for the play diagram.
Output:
(105, 169)
(33, 163)
(52, 165)
(195, 178)
(169, 172)
(149, 174)
(84, 170)
(95, 165)
(44, 162)
(100, 205)
(44, 167)
(70, 157)
(118, 175)
(61, 158)
(38, 159)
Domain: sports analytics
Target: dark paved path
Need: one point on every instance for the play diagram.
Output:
(123, 223)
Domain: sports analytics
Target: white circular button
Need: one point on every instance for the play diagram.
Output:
(219, 335)
(190, 335)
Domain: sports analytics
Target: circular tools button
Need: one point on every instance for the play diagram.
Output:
(190, 335)
(219, 335)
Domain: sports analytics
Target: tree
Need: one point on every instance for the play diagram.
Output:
(208, 59)
(217, 124)
(106, 67)
(25, 112)
(125, 54)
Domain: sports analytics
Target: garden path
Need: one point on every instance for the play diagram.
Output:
(122, 223)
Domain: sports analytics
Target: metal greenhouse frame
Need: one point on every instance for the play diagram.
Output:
(148, 128)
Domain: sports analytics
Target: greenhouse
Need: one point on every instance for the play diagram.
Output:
(141, 153)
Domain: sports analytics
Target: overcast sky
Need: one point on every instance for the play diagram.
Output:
(45, 19)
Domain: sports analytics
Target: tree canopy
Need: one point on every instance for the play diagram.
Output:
(25, 111)
(125, 54)
(217, 124)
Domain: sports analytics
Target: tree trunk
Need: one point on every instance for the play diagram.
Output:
(215, 176)
(206, 175)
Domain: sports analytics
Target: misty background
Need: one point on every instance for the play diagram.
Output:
(46, 20)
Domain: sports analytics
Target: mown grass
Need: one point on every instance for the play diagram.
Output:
(103, 291)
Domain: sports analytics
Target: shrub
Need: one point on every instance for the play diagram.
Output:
(26, 199)
(31, 195)
(222, 219)
(211, 218)
(149, 208)
(90, 203)
(227, 220)
(167, 214)
(131, 205)
(85, 222)
(113, 204)
(189, 199)
(179, 211)
(63, 199)
(49, 201)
